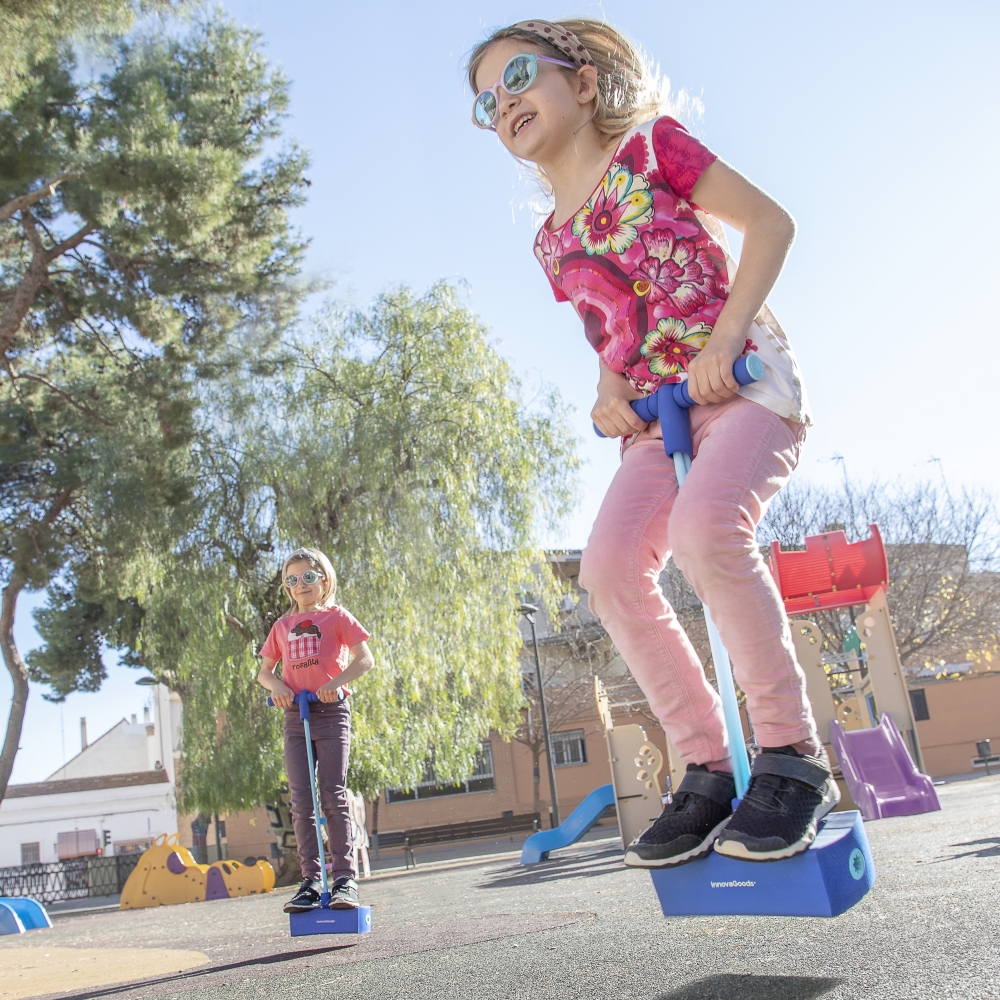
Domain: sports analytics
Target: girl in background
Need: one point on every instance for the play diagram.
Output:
(634, 243)
(321, 648)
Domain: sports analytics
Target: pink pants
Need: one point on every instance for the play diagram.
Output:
(743, 454)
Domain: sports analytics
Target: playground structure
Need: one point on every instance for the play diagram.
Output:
(19, 914)
(167, 874)
(864, 716)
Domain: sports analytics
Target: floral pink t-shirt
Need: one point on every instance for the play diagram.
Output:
(648, 272)
(313, 647)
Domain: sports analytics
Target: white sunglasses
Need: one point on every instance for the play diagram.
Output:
(518, 75)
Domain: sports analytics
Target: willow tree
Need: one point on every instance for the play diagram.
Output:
(144, 237)
(397, 441)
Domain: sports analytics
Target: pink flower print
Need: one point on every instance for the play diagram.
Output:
(547, 247)
(669, 348)
(674, 269)
(608, 221)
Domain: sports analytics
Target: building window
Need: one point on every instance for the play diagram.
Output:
(31, 854)
(918, 700)
(481, 780)
(569, 748)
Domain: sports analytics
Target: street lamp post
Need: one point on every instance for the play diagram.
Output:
(529, 611)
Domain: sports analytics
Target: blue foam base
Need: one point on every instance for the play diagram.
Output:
(824, 881)
(322, 921)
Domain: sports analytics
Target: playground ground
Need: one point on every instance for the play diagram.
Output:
(579, 926)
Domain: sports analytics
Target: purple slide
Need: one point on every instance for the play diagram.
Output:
(879, 772)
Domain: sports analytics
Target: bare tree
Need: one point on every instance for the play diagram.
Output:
(569, 660)
(943, 549)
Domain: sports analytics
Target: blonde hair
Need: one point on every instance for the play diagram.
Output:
(628, 91)
(321, 564)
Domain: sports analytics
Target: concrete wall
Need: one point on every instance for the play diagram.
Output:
(961, 712)
(130, 813)
(124, 749)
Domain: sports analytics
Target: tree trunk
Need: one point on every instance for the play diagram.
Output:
(19, 676)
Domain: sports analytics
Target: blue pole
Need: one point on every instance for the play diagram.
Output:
(723, 674)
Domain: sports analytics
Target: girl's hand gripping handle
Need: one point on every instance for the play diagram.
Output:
(304, 699)
(746, 370)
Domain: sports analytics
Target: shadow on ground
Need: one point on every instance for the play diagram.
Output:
(604, 863)
(754, 988)
(204, 970)
(992, 850)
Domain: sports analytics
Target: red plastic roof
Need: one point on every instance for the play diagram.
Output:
(830, 573)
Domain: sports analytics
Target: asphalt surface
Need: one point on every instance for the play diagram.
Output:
(582, 926)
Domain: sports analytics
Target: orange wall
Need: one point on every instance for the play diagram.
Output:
(961, 712)
(514, 790)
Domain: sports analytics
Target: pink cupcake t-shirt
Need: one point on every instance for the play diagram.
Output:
(313, 646)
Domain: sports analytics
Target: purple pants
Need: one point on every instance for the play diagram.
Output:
(330, 726)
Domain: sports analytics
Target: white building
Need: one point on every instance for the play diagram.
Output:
(117, 794)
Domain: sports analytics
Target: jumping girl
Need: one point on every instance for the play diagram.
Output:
(634, 242)
(323, 649)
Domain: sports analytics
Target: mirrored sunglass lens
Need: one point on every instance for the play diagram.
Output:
(518, 74)
(486, 109)
(309, 577)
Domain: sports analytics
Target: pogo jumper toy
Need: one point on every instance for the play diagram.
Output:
(322, 920)
(837, 869)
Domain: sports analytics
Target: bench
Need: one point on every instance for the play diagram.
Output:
(447, 832)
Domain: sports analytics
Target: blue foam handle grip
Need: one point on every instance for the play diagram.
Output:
(303, 699)
(656, 406)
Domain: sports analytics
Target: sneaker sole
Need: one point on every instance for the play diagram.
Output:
(300, 909)
(343, 906)
(738, 850)
(632, 860)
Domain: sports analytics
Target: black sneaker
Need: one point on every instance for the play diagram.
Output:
(687, 828)
(344, 894)
(788, 795)
(307, 898)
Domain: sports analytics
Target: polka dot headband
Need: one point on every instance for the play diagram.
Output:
(560, 38)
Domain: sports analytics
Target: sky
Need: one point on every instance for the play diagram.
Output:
(875, 124)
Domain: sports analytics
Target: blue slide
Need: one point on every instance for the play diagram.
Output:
(580, 820)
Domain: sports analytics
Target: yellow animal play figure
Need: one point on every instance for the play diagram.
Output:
(167, 873)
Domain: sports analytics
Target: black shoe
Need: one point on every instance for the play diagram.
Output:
(307, 898)
(687, 828)
(777, 818)
(344, 894)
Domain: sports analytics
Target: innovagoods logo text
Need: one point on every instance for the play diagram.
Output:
(733, 885)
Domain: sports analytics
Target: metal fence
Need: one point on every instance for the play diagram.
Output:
(76, 879)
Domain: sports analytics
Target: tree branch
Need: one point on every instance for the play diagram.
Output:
(23, 201)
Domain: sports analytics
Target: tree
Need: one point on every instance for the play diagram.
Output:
(32, 31)
(569, 658)
(942, 547)
(144, 241)
(395, 440)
